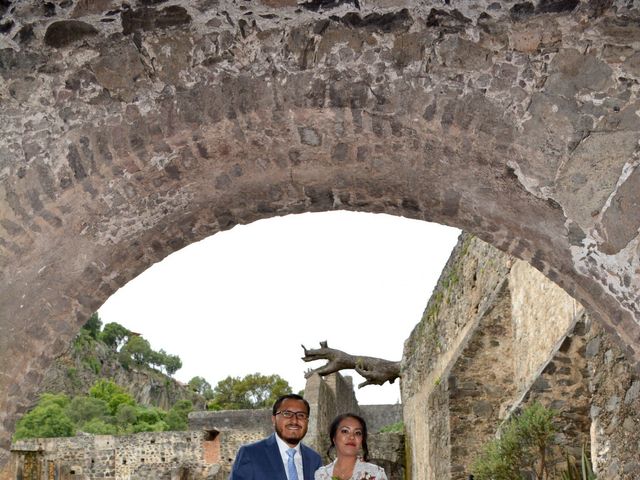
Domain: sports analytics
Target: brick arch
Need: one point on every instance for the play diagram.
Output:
(148, 128)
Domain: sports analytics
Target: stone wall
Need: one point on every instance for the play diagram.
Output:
(495, 337)
(208, 450)
(145, 456)
(387, 450)
(480, 385)
(327, 398)
(380, 416)
(258, 421)
(333, 395)
(542, 314)
(234, 429)
(472, 279)
(615, 408)
(132, 129)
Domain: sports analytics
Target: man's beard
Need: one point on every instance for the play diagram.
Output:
(286, 436)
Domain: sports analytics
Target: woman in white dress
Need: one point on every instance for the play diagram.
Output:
(348, 434)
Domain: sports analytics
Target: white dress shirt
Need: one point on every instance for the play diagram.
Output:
(283, 447)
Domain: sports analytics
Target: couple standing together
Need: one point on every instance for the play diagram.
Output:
(282, 456)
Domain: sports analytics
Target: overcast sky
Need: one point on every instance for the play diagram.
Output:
(243, 301)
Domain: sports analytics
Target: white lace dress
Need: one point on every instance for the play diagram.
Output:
(362, 471)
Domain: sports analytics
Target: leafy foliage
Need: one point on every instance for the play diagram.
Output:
(201, 386)
(522, 446)
(178, 417)
(48, 419)
(93, 326)
(83, 342)
(107, 410)
(114, 335)
(253, 391)
(584, 471)
(137, 351)
(83, 409)
(397, 427)
(133, 349)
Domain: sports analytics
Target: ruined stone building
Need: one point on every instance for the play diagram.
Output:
(495, 336)
(131, 129)
(207, 450)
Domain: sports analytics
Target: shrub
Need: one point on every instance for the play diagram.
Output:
(522, 446)
(48, 419)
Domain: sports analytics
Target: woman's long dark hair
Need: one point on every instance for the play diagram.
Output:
(334, 428)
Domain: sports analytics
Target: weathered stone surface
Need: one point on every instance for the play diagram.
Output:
(633, 393)
(62, 33)
(618, 228)
(600, 156)
(461, 54)
(146, 18)
(119, 70)
(571, 72)
(145, 456)
(92, 7)
(528, 342)
(132, 130)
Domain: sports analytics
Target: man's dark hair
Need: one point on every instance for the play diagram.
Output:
(333, 429)
(292, 396)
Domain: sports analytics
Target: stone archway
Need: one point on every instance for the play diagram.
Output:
(130, 131)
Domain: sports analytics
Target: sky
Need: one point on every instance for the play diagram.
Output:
(244, 301)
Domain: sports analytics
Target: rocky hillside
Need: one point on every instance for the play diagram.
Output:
(87, 360)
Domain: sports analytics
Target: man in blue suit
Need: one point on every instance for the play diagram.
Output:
(280, 456)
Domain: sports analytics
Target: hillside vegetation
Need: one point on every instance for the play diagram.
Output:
(110, 381)
(123, 357)
(107, 409)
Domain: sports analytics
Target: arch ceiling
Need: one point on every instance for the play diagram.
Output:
(130, 130)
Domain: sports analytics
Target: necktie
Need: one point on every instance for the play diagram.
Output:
(291, 465)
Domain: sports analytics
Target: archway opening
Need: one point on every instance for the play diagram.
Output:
(244, 300)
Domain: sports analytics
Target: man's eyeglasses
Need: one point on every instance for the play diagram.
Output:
(290, 414)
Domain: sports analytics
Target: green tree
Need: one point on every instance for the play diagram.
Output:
(48, 419)
(120, 399)
(81, 409)
(178, 417)
(150, 419)
(138, 349)
(150, 415)
(253, 391)
(112, 394)
(105, 389)
(172, 363)
(126, 415)
(397, 427)
(201, 386)
(97, 426)
(163, 360)
(93, 326)
(114, 335)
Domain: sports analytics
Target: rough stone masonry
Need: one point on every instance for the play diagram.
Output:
(132, 129)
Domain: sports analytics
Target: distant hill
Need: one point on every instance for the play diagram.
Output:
(88, 360)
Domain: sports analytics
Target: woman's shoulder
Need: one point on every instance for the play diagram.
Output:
(324, 472)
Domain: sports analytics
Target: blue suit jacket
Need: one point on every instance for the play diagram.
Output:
(262, 461)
